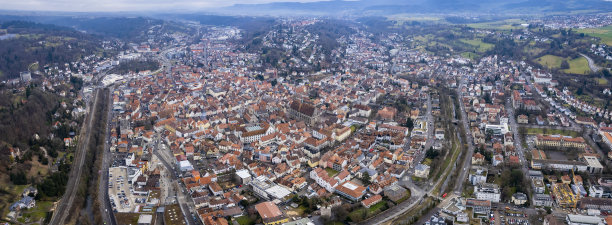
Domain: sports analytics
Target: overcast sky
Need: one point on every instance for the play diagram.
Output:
(125, 5)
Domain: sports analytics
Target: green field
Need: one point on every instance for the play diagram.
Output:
(605, 33)
(499, 25)
(577, 66)
(480, 46)
(469, 55)
(550, 61)
(601, 81)
(402, 18)
(534, 131)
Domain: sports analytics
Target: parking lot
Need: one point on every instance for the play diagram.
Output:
(509, 217)
(119, 190)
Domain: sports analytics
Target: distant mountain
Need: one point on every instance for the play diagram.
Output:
(386, 7)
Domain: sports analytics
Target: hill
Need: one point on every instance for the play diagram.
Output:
(42, 43)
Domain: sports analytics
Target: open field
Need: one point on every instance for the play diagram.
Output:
(550, 61)
(534, 131)
(480, 46)
(605, 33)
(499, 25)
(601, 81)
(403, 18)
(577, 66)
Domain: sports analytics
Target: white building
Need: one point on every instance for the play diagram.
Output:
(487, 191)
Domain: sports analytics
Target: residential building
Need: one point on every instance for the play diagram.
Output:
(488, 191)
(270, 213)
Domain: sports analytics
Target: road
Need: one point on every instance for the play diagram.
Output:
(592, 64)
(467, 162)
(64, 206)
(518, 143)
(181, 198)
(417, 193)
(106, 210)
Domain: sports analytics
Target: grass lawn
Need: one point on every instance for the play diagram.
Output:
(357, 214)
(499, 25)
(578, 66)
(605, 33)
(39, 211)
(533, 131)
(244, 220)
(408, 194)
(331, 172)
(601, 81)
(377, 206)
(550, 61)
(299, 211)
(427, 161)
(480, 46)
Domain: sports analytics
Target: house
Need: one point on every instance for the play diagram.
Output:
(215, 189)
(478, 175)
(439, 132)
(498, 159)
(371, 201)
(26, 202)
(421, 170)
(522, 119)
(478, 159)
(270, 213)
(519, 198)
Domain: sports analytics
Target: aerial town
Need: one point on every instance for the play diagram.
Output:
(376, 130)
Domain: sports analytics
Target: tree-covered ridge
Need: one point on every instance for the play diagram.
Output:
(42, 43)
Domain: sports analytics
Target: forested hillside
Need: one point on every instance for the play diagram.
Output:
(42, 43)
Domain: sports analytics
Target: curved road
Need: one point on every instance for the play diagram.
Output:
(592, 64)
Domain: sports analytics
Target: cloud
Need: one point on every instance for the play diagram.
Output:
(126, 5)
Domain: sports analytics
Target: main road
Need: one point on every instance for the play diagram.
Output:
(467, 162)
(106, 210)
(74, 178)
